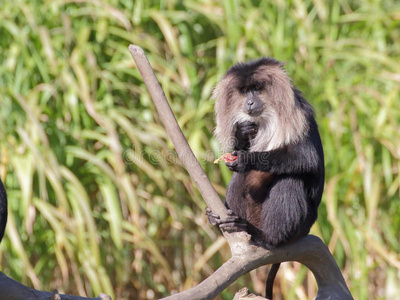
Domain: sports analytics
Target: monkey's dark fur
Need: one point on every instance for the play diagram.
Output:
(3, 210)
(278, 177)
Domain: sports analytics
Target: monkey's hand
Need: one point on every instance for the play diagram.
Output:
(246, 130)
(240, 164)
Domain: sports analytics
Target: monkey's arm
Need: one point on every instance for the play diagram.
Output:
(295, 159)
(244, 132)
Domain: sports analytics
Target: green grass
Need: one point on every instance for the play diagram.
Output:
(96, 202)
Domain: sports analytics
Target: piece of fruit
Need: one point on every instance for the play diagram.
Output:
(227, 157)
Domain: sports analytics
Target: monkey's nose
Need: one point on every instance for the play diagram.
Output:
(253, 107)
(249, 106)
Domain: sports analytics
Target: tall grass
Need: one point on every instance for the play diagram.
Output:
(97, 199)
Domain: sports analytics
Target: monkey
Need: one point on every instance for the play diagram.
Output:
(3, 210)
(278, 176)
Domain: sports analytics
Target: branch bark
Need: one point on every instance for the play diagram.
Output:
(246, 256)
(244, 294)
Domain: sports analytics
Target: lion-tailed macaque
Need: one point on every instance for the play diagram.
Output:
(278, 175)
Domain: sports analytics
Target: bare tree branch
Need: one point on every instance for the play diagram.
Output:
(246, 256)
(175, 133)
(309, 251)
(13, 290)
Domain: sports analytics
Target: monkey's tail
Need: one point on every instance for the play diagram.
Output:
(270, 280)
(3, 210)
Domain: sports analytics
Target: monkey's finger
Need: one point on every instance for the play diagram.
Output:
(230, 212)
(232, 164)
(233, 227)
(231, 219)
(252, 132)
(212, 215)
(214, 222)
(249, 130)
(233, 169)
(235, 220)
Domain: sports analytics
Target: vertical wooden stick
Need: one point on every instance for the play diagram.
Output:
(182, 147)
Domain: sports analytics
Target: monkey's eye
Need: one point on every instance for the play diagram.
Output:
(243, 90)
(258, 87)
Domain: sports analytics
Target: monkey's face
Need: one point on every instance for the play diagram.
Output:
(251, 97)
(248, 99)
(258, 92)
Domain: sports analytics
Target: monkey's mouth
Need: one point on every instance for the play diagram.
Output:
(254, 112)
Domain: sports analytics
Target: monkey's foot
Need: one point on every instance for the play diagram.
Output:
(233, 223)
(214, 219)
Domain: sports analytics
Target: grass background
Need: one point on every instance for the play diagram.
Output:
(97, 200)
